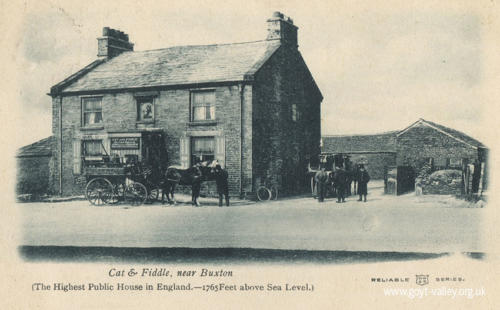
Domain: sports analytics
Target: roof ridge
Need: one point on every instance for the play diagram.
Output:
(199, 45)
(361, 134)
(454, 132)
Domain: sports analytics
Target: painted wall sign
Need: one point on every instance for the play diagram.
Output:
(128, 143)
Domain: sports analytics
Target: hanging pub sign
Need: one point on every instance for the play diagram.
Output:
(125, 143)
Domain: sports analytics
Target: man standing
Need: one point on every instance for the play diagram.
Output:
(341, 183)
(363, 180)
(196, 185)
(222, 186)
(321, 178)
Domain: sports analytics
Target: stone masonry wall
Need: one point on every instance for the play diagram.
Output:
(375, 162)
(419, 143)
(282, 147)
(171, 114)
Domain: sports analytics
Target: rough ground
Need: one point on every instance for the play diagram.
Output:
(429, 224)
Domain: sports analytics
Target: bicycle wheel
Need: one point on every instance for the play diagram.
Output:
(263, 193)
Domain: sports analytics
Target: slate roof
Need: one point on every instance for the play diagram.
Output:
(452, 132)
(39, 148)
(384, 142)
(175, 66)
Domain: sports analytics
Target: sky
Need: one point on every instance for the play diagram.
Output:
(379, 67)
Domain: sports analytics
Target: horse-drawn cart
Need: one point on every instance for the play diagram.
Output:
(110, 185)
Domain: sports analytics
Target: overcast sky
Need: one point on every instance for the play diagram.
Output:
(379, 69)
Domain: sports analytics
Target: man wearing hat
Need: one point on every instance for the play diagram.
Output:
(363, 179)
(222, 186)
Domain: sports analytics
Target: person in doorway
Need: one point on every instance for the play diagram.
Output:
(222, 185)
(363, 179)
(321, 179)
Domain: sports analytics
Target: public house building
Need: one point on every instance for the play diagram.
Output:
(252, 106)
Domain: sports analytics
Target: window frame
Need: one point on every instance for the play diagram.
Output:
(84, 111)
(192, 106)
(139, 100)
(192, 154)
(86, 159)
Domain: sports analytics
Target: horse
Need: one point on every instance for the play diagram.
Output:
(193, 176)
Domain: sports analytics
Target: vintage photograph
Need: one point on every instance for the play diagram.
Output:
(249, 154)
(281, 136)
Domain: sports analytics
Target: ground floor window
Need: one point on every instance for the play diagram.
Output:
(202, 149)
(92, 152)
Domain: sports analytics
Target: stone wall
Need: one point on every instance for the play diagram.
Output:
(33, 175)
(422, 142)
(287, 122)
(171, 114)
(441, 182)
(375, 163)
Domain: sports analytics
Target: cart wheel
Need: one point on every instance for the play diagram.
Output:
(153, 194)
(263, 193)
(99, 191)
(136, 194)
(118, 193)
(274, 192)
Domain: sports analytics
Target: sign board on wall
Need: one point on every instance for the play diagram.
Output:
(125, 143)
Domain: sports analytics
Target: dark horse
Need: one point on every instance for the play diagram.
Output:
(193, 176)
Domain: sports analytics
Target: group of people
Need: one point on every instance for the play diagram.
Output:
(221, 180)
(341, 181)
(194, 176)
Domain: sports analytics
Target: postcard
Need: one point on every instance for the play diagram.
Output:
(249, 154)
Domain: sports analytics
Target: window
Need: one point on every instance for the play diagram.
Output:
(202, 149)
(91, 111)
(92, 148)
(202, 106)
(295, 115)
(145, 109)
(92, 153)
(455, 163)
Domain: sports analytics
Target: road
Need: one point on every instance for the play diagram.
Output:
(430, 224)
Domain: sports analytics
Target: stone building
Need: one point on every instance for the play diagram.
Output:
(253, 106)
(441, 146)
(421, 142)
(375, 151)
(33, 173)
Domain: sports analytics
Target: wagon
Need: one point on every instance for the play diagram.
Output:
(330, 161)
(124, 166)
(110, 185)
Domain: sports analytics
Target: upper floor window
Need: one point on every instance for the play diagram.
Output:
(91, 111)
(145, 109)
(203, 105)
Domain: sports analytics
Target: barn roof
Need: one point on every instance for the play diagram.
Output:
(383, 142)
(455, 134)
(177, 65)
(39, 148)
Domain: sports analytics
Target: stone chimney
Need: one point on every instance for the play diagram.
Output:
(112, 43)
(281, 27)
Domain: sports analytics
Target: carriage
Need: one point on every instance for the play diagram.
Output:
(110, 184)
(330, 161)
(131, 174)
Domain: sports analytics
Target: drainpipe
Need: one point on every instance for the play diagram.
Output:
(242, 89)
(60, 146)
